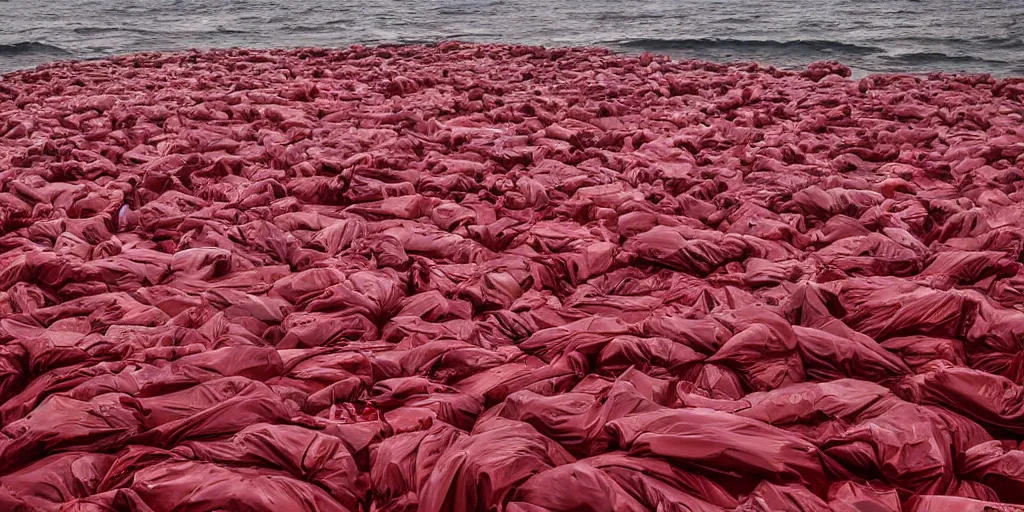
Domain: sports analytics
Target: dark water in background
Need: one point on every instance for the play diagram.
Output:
(978, 36)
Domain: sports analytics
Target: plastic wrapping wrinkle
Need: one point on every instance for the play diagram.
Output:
(461, 278)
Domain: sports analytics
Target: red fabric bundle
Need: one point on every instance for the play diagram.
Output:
(462, 278)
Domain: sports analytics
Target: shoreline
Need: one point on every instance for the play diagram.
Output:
(857, 73)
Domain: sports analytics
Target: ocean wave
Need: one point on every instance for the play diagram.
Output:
(87, 31)
(954, 42)
(31, 47)
(807, 45)
(933, 57)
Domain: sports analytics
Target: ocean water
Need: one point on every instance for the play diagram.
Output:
(877, 36)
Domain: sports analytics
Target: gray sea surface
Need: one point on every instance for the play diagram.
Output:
(876, 36)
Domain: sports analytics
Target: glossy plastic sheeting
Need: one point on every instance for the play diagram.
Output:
(462, 278)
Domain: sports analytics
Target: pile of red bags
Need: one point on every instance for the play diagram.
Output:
(482, 277)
